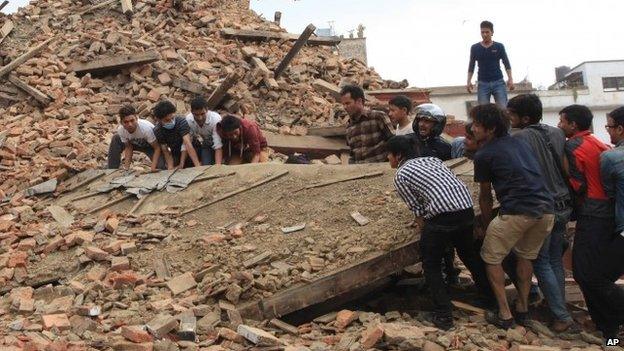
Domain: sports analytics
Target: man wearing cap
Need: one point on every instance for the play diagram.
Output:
(428, 126)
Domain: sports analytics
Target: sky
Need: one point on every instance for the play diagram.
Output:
(427, 42)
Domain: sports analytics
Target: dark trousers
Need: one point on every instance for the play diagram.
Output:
(450, 229)
(116, 148)
(598, 261)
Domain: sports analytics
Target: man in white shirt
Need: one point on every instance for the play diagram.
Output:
(203, 124)
(399, 109)
(133, 134)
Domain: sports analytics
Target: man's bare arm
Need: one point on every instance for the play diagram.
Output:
(469, 85)
(188, 144)
(218, 156)
(128, 150)
(168, 157)
(155, 156)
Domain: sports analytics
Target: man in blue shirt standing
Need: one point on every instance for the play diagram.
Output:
(488, 54)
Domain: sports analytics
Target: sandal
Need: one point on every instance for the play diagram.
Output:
(520, 317)
(494, 319)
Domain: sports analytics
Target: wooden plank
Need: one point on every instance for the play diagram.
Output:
(43, 99)
(97, 7)
(334, 284)
(262, 35)
(336, 181)
(299, 44)
(335, 131)
(217, 96)
(25, 57)
(284, 326)
(138, 204)
(6, 29)
(61, 216)
(469, 308)
(267, 74)
(126, 7)
(313, 146)
(189, 86)
(110, 203)
(257, 259)
(236, 192)
(106, 64)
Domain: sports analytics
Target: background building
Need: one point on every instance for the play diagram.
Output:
(597, 84)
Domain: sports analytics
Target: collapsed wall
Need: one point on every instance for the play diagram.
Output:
(60, 118)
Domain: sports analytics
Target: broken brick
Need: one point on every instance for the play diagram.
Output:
(59, 321)
(136, 334)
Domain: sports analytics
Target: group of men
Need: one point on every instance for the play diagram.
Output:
(200, 138)
(543, 178)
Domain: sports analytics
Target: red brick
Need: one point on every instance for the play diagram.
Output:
(18, 259)
(54, 245)
(136, 334)
(181, 283)
(129, 346)
(111, 224)
(214, 238)
(96, 254)
(27, 244)
(371, 336)
(60, 321)
(120, 263)
(344, 318)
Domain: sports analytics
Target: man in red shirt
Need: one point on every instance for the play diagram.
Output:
(595, 221)
(243, 141)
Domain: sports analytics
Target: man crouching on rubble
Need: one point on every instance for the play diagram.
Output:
(173, 132)
(133, 134)
(434, 193)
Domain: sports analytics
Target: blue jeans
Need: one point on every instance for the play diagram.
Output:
(548, 267)
(205, 153)
(498, 89)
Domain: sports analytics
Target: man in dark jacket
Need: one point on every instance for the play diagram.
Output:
(428, 126)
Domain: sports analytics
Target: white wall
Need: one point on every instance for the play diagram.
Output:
(552, 100)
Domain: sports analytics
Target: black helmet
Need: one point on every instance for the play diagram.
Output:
(431, 112)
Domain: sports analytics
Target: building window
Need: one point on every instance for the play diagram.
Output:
(613, 83)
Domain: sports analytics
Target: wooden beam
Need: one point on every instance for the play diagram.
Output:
(299, 44)
(25, 57)
(97, 7)
(262, 35)
(314, 146)
(110, 203)
(334, 284)
(336, 131)
(107, 64)
(469, 308)
(267, 74)
(137, 205)
(3, 5)
(347, 179)
(6, 29)
(236, 192)
(126, 8)
(43, 99)
(217, 96)
(277, 17)
(189, 86)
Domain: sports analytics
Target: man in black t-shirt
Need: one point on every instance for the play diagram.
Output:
(171, 133)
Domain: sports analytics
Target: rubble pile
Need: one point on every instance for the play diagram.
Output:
(71, 133)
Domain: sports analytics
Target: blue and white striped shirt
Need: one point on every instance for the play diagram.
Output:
(430, 188)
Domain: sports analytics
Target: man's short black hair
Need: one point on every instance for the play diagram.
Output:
(402, 101)
(580, 114)
(199, 103)
(354, 91)
(526, 105)
(487, 24)
(126, 110)
(402, 145)
(163, 109)
(230, 123)
(618, 116)
(491, 117)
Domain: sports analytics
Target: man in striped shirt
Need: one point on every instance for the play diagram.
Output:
(435, 194)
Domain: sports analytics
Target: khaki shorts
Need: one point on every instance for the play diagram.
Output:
(525, 235)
